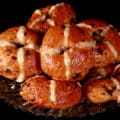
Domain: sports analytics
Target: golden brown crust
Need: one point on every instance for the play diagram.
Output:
(37, 91)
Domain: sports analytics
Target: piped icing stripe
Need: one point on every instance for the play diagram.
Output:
(116, 82)
(86, 44)
(32, 46)
(78, 83)
(41, 18)
(116, 67)
(53, 7)
(51, 22)
(66, 35)
(102, 71)
(106, 29)
(38, 19)
(4, 43)
(116, 92)
(66, 55)
(52, 90)
(20, 35)
(67, 61)
(20, 59)
(50, 51)
(84, 25)
(112, 48)
(38, 11)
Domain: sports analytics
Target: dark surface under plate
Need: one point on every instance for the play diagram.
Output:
(11, 104)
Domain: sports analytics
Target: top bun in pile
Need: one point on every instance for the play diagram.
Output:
(44, 18)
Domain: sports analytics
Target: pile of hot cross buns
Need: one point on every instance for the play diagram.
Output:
(60, 61)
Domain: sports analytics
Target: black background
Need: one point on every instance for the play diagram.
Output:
(17, 13)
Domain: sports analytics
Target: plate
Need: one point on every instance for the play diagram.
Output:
(9, 92)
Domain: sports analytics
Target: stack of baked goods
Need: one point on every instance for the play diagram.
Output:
(61, 61)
